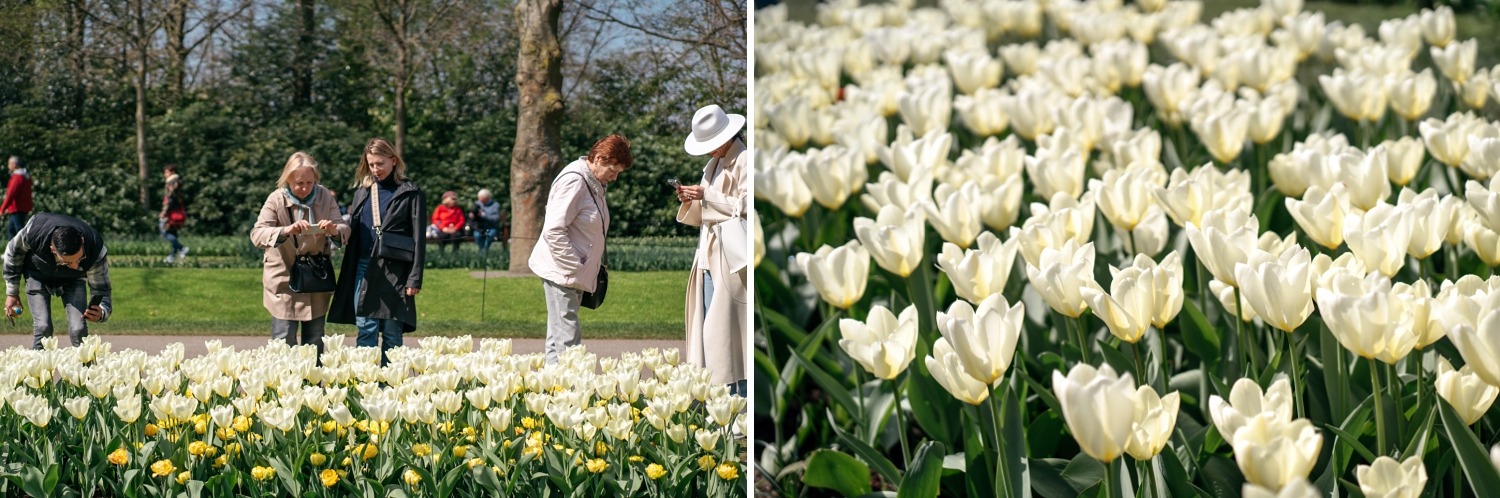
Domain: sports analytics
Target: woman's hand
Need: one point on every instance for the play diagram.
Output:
(689, 193)
(295, 228)
(411, 291)
(326, 226)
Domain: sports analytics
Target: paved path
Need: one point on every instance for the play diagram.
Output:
(193, 345)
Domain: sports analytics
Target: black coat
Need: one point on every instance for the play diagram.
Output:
(386, 281)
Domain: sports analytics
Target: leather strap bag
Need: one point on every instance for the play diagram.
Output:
(392, 246)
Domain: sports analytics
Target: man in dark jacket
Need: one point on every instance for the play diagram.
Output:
(17, 203)
(58, 254)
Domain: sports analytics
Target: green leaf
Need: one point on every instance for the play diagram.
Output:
(1119, 360)
(936, 411)
(833, 387)
(1047, 478)
(49, 482)
(926, 472)
(837, 471)
(1084, 472)
(1043, 433)
(1471, 455)
(1197, 335)
(1015, 446)
(1178, 481)
(1223, 479)
(288, 479)
(1428, 414)
(1266, 206)
(1344, 437)
(882, 464)
(194, 488)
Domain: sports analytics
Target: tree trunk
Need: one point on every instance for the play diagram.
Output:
(140, 101)
(302, 69)
(537, 155)
(177, 49)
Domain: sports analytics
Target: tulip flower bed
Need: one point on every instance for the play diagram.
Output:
(1021, 248)
(440, 420)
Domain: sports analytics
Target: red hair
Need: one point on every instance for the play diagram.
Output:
(613, 149)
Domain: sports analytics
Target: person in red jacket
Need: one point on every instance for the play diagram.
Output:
(17, 204)
(448, 218)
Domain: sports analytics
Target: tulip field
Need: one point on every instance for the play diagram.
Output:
(444, 419)
(1077, 248)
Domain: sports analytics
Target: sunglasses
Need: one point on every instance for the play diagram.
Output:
(68, 263)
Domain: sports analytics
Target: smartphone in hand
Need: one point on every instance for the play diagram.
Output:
(674, 183)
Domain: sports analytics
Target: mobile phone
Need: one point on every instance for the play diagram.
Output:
(96, 300)
(313, 230)
(674, 183)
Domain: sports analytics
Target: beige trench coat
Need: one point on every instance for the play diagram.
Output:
(279, 251)
(716, 341)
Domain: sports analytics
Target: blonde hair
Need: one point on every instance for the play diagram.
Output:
(380, 147)
(299, 160)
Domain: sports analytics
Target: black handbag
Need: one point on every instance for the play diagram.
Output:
(311, 273)
(592, 300)
(392, 246)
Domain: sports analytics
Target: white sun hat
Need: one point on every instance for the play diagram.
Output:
(711, 129)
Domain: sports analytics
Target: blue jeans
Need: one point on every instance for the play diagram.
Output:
(75, 299)
(13, 225)
(171, 235)
(384, 332)
(484, 237)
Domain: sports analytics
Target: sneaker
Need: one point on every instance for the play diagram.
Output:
(171, 258)
(183, 255)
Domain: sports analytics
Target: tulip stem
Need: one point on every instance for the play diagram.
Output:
(1394, 381)
(1293, 352)
(1239, 332)
(1379, 407)
(901, 424)
(1001, 479)
(1083, 339)
(859, 387)
(1140, 367)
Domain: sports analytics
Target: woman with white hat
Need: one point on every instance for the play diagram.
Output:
(716, 314)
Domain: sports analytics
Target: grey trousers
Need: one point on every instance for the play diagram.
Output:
(312, 332)
(75, 299)
(562, 319)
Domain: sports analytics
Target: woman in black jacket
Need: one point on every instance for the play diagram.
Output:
(382, 270)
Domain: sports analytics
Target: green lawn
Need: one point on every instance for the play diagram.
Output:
(641, 305)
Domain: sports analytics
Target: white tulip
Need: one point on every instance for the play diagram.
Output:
(1480, 344)
(1224, 240)
(983, 112)
(1411, 94)
(1438, 26)
(895, 239)
(910, 157)
(1379, 237)
(1057, 167)
(1279, 289)
(1387, 478)
(1247, 402)
(948, 370)
(1098, 406)
(1484, 152)
(1062, 275)
(1403, 158)
(984, 338)
(1168, 89)
(831, 174)
(882, 344)
(839, 274)
(1368, 318)
(1271, 454)
(1430, 220)
(1050, 225)
(1155, 420)
(1469, 394)
(1297, 488)
(1447, 140)
(978, 274)
(891, 190)
(1188, 196)
(927, 108)
(1124, 197)
(1456, 61)
(955, 213)
(78, 407)
(1321, 214)
(973, 70)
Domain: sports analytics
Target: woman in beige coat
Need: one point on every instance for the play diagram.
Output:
(297, 218)
(716, 294)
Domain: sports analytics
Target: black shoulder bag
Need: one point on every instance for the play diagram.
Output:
(392, 246)
(310, 273)
(593, 300)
